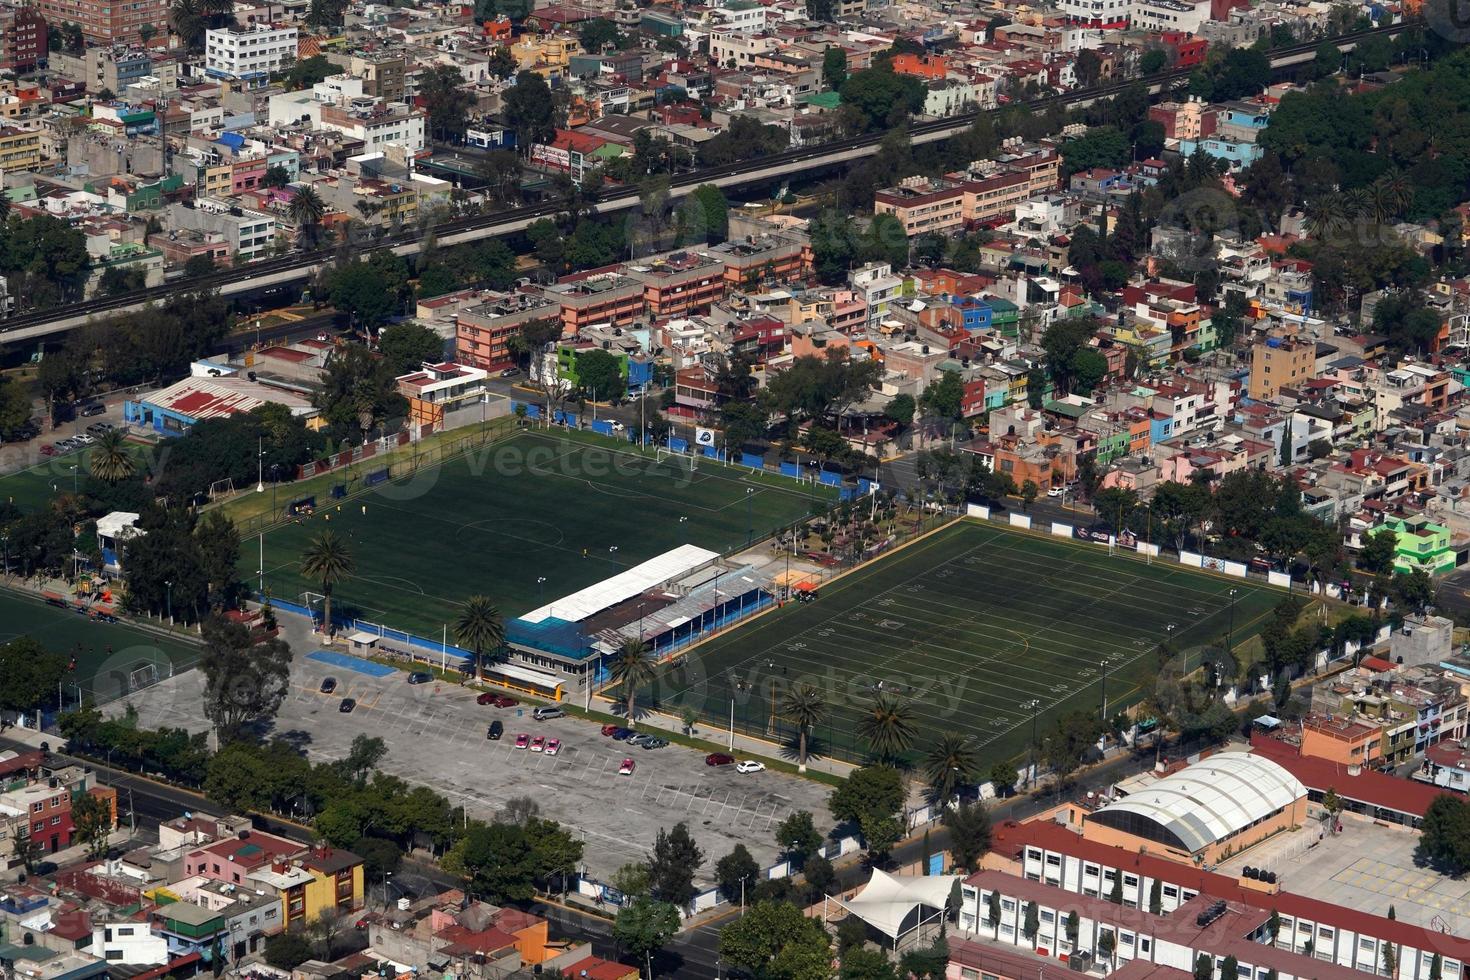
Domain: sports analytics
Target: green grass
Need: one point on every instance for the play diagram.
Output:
(34, 487)
(970, 624)
(105, 653)
(497, 518)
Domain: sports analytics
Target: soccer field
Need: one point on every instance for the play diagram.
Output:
(570, 509)
(109, 656)
(970, 624)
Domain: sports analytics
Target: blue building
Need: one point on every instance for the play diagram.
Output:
(175, 409)
(975, 314)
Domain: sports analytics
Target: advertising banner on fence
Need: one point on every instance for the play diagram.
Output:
(704, 437)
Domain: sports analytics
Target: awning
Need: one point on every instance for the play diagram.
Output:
(526, 675)
(887, 901)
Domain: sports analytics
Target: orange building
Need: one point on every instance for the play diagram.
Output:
(681, 284)
(605, 297)
(930, 66)
(482, 334)
(1341, 740)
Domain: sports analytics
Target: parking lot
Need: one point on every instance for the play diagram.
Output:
(1365, 867)
(436, 736)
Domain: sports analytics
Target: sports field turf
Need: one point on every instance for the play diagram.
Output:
(498, 518)
(107, 653)
(970, 624)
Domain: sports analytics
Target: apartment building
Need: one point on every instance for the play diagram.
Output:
(609, 298)
(680, 284)
(1277, 362)
(996, 196)
(20, 149)
(22, 39)
(109, 21)
(250, 234)
(248, 55)
(482, 334)
(923, 205)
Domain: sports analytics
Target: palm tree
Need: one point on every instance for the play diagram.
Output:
(949, 764)
(1325, 216)
(328, 560)
(633, 668)
(480, 627)
(189, 19)
(804, 705)
(888, 726)
(111, 461)
(306, 209)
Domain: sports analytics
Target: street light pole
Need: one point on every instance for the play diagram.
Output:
(1230, 631)
(1033, 704)
(169, 586)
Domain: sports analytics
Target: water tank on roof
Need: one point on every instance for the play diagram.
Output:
(1273, 341)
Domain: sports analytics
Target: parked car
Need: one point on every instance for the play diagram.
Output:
(553, 746)
(750, 765)
(486, 698)
(619, 427)
(655, 743)
(538, 743)
(718, 759)
(522, 740)
(420, 677)
(48, 450)
(623, 734)
(504, 701)
(626, 767)
(329, 684)
(347, 705)
(496, 729)
(610, 729)
(84, 439)
(96, 408)
(1055, 491)
(639, 738)
(548, 712)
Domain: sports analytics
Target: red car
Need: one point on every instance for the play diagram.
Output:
(48, 450)
(522, 740)
(486, 698)
(609, 729)
(718, 759)
(501, 701)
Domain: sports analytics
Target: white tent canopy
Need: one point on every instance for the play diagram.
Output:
(888, 903)
(625, 585)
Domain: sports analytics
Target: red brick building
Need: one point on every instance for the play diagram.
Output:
(109, 21)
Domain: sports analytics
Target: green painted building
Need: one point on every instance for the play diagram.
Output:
(1421, 544)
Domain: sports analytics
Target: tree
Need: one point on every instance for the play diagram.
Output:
(1204, 967)
(91, 823)
(900, 410)
(358, 288)
(1378, 552)
(805, 706)
(599, 33)
(944, 397)
(276, 176)
(246, 676)
(704, 216)
(632, 669)
(834, 67)
(1115, 895)
(442, 92)
(887, 726)
(496, 861)
(880, 831)
(777, 941)
(877, 97)
(672, 865)
(529, 109)
(1287, 457)
(1229, 968)
(1002, 777)
(306, 209)
(949, 765)
(481, 628)
(819, 874)
(1412, 591)
(329, 561)
(1088, 68)
(969, 833)
(1153, 61)
(862, 963)
(200, 265)
(1444, 835)
(600, 375)
(1156, 897)
(1029, 491)
(798, 837)
(735, 873)
(869, 789)
(408, 346)
(501, 63)
(117, 280)
(287, 950)
(645, 927)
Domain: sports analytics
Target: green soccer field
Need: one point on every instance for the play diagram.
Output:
(569, 508)
(970, 624)
(108, 654)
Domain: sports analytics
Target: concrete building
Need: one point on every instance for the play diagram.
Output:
(109, 21)
(248, 55)
(1278, 362)
(249, 234)
(922, 205)
(22, 39)
(445, 395)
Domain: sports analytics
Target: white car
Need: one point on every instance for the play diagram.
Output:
(1055, 491)
(619, 427)
(750, 765)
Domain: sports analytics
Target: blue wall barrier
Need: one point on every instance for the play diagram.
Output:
(847, 493)
(532, 411)
(602, 427)
(792, 470)
(865, 486)
(679, 445)
(713, 453)
(753, 461)
(829, 478)
(564, 418)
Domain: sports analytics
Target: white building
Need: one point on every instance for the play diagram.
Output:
(878, 285)
(1170, 15)
(248, 55)
(128, 944)
(1097, 13)
(339, 105)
